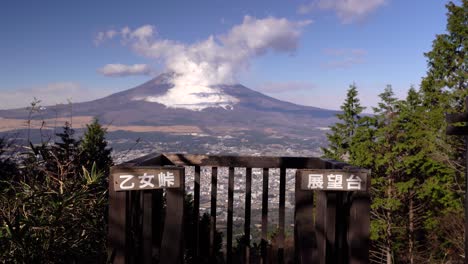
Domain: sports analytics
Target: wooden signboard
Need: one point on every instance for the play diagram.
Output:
(334, 180)
(146, 178)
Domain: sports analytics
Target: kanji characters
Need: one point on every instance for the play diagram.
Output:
(354, 182)
(315, 181)
(166, 179)
(335, 181)
(145, 180)
(124, 185)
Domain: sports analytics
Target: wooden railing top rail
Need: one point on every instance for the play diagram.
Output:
(235, 161)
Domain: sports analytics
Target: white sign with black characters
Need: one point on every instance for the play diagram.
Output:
(146, 178)
(334, 180)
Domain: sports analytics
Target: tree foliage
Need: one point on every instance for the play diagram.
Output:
(53, 202)
(94, 149)
(342, 133)
(417, 171)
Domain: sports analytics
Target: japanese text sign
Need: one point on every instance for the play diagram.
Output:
(146, 178)
(334, 180)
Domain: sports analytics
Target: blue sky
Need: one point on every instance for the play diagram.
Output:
(57, 50)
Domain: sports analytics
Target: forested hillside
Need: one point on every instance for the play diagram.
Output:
(417, 170)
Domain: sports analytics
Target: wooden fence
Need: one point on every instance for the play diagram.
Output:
(339, 234)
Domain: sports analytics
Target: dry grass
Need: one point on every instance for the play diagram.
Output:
(7, 124)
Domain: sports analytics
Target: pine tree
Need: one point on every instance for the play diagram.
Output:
(413, 165)
(385, 200)
(94, 148)
(67, 146)
(443, 90)
(446, 82)
(340, 140)
(63, 153)
(445, 86)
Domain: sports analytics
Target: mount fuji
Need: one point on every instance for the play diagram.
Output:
(227, 110)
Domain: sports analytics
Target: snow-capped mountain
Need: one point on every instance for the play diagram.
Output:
(212, 109)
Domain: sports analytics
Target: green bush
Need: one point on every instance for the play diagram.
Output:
(53, 206)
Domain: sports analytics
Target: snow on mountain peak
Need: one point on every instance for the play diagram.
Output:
(193, 97)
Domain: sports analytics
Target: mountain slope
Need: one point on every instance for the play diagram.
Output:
(254, 111)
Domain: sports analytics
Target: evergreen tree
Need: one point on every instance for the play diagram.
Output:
(446, 82)
(94, 149)
(67, 145)
(385, 199)
(443, 90)
(340, 140)
(445, 86)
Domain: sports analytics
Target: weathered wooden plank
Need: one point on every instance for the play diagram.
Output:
(230, 215)
(305, 244)
(147, 231)
(359, 229)
(158, 204)
(172, 241)
(248, 198)
(150, 159)
(456, 118)
(330, 228)
(117, 224)
(321, 226)
(281, 214)
(137, 225)
(214, 190)
(196, 213)
(457, 131)
(130, 231)
(243, 161)
(342, 212)
(264, 241)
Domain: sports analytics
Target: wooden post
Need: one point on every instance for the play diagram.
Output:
(305, 240)
(172, 245)
(358, 238)
(230, 215)
(264, 242)
(281, 214)
(321, 226)
(158, 204)
(117, 224)
(196, 214)
(248, 197)
(332, 186)
(214, 191)
(330, 227)
(147, 232)
(359, 228)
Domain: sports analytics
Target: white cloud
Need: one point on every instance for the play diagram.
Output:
(111, 33)
(348, 11)
(120, 70)
(105, 35)
(216, 60)
(50, 94)
(143, 32)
